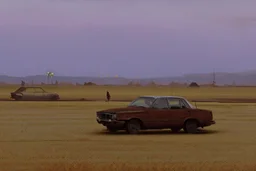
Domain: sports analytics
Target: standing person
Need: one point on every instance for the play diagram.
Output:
(108, 96)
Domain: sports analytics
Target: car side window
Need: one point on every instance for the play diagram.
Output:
(160, 103)
(183, 104)
(38, 90)
(29, 90)
(176, 103)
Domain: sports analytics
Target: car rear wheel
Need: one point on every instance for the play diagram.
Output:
(133, 126)
(191, 127)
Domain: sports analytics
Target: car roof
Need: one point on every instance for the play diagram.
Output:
(164, 97)
(24, 88)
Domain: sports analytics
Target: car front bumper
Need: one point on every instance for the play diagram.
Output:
(110, 122)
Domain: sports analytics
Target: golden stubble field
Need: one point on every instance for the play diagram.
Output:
(56, 136)
(129, 92)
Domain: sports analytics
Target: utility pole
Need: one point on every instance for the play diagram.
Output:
(214, 79)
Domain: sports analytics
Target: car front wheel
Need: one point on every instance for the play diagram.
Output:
(191, 127)
(133, 127)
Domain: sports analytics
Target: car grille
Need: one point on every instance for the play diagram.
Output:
(105, 116)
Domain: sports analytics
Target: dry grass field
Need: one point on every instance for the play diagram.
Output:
(61, 136)
(129, 92)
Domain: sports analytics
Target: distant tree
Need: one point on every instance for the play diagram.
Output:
(56, 82)
(137, 84)
(193, 84)
(152, 83)
(89, 83)
(65, 83)
(130, 83)
(49, 76)
(176, 84)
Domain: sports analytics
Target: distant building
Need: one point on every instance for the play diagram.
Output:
(89, 83)
(193, 84)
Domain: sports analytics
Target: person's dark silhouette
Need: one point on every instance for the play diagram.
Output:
(108, 96)
(22, 83)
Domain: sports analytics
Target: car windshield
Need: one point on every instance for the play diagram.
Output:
(142, 102)
(21, 89)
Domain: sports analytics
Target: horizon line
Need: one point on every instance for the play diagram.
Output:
(216, 72)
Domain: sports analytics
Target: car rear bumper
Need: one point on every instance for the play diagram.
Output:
(208, 123)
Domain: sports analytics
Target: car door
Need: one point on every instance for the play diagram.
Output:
(179, 111)
(28, 94)
(39, 94)
(158, 114)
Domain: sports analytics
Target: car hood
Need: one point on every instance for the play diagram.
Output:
(123, 110)
(205, 110)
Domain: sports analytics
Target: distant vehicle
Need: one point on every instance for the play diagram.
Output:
(33, 93)
(156, 112)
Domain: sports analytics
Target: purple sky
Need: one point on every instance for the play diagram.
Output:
(132, 38)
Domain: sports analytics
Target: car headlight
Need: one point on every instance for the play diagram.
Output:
(114, 116)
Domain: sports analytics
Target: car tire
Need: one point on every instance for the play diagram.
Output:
(191, 127)
(175, 129)
(133, 126)
(111, 129)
